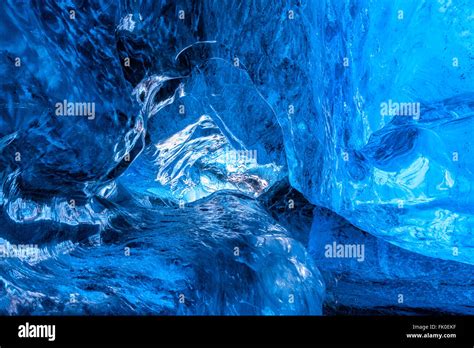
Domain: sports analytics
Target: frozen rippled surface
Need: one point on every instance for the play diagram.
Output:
(224, 145)
(221, 256)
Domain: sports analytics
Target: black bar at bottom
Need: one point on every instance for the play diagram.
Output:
(454, 330)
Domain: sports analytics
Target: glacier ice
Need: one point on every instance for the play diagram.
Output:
(220, 255)
(403, 177)
(197, 146)
(44, 62)
(230, 144)
(387, 275)
(196, 162)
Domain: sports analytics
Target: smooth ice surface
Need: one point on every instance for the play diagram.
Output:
(405, 176)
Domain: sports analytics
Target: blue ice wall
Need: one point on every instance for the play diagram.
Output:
(405, 176)
(383, 278)
(48, 57)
